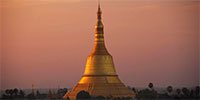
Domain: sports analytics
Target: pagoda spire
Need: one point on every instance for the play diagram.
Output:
(99, 25)
(99, 45)
(99, 12)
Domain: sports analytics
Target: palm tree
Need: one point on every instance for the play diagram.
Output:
(7, 91)
(178, 91)
(197, 91)
(15, 91)
(21, 93)
(150, 85)
(186, 92)
(169, 89)
(11, 92)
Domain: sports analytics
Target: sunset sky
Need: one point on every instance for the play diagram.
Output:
(46, 42)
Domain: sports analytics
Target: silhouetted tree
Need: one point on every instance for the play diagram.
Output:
(134, 90)
(186, 92)
(7, 91)
(15, 91)
(147, 94)
(150, 85)
(178, 94)
(83, 95)
(197, 89)
(169, 89)
(178, 91)
(191, 95)
(37, 94)
(21, 94)
(60, 93)
(11, 92)
(169, 92)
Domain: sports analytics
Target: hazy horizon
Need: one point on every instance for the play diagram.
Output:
(46, 42)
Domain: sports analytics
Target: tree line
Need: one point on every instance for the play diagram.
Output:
(147, 93)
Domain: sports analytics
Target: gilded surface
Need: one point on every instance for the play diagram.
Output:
(100, 78)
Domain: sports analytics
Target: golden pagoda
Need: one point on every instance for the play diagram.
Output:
(100, 78)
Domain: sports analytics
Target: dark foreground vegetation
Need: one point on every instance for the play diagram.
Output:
(170, 93)
(148, 93)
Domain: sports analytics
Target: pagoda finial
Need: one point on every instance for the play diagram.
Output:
(98, 3)
(99, 11)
